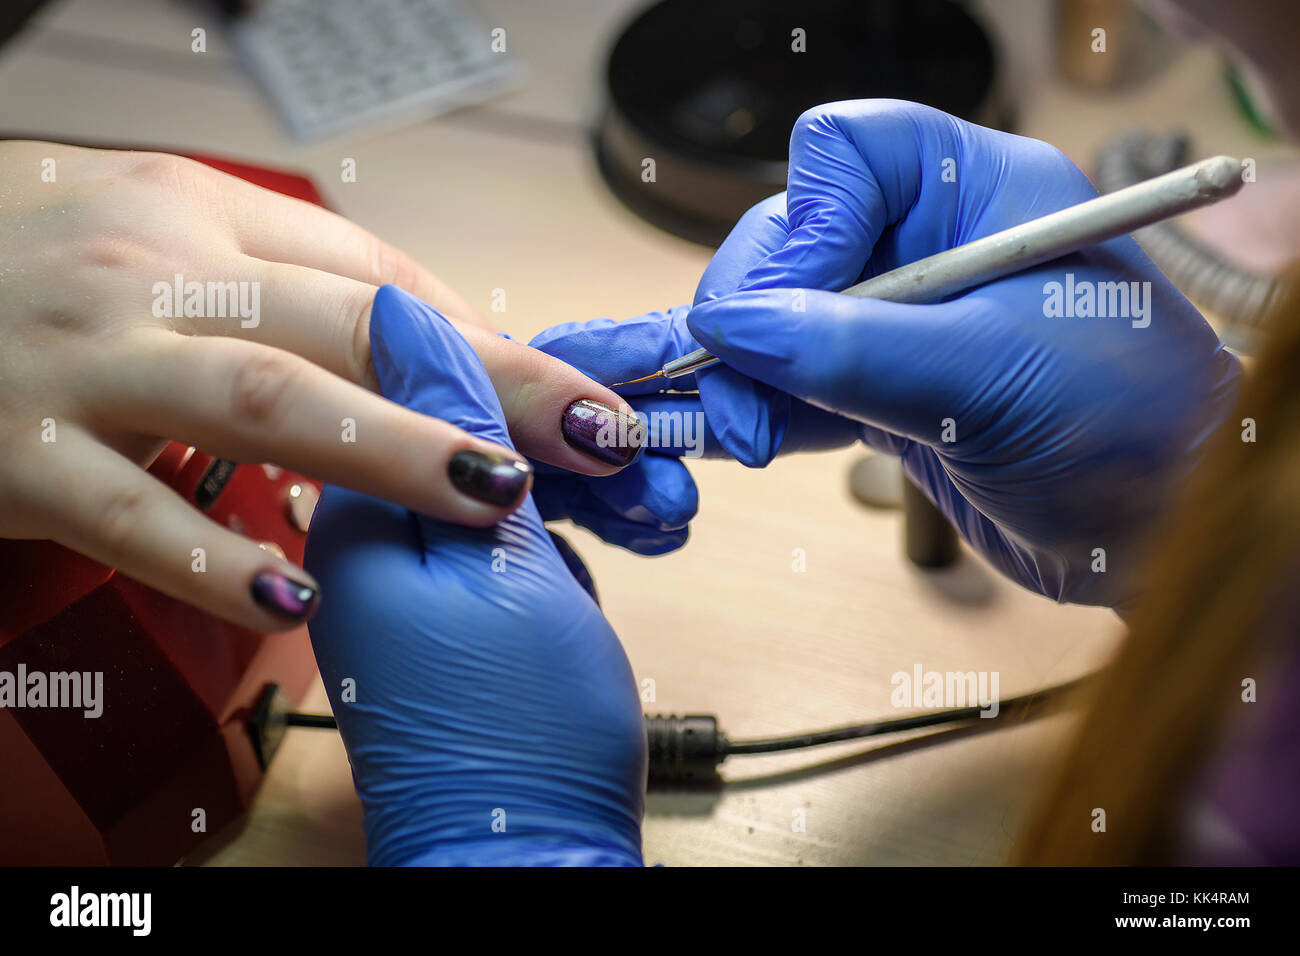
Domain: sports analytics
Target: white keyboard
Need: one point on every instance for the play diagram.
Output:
(335, 66)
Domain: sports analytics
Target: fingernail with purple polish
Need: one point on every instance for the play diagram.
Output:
(602, 432)
(496, 479)
(283, 596)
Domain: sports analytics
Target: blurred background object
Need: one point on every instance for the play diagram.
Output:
(334, 66)
(1257, 38)
(692, 138)
(1101, 44)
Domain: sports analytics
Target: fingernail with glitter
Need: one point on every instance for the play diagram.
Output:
(602, 432)
(496, 479)
(283, 596)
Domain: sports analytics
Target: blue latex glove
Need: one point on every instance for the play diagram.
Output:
(645, 508)
(489, 689)
(1067, 434)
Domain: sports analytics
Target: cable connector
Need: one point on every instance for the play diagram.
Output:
(267, 724)
(684, 749)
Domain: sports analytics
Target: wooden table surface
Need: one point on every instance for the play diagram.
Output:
(507, 196)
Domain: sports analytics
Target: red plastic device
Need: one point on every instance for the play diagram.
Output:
(179, 686)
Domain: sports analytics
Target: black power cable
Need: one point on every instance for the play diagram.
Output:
(690, 748)
(320, 721)
(896, 724)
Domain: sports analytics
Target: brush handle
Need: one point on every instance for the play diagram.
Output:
(1035, 242)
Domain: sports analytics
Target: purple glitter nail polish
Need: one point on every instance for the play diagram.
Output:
(602, 432)
(283, 596)
(496, 479)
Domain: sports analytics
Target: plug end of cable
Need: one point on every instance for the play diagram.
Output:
(684, 750)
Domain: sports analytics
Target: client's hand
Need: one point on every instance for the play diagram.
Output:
(489, 711)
